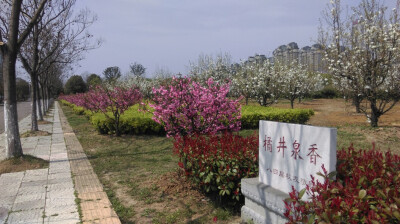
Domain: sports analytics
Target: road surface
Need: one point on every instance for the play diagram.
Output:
(24, 109)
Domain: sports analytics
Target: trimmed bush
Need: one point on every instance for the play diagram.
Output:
(252, 114)
(77, 109)
(217, 163)
(366, 190)
(326, 93)
(133, 121)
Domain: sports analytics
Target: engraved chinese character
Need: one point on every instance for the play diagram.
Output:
(296, 150)
(313, 154)
(282, 146)
(267, 144)
(303, 181)
(275, 171)
(288, 176)
(296, 179)
(281, 174)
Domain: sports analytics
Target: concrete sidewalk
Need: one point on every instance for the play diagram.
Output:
(48, 195)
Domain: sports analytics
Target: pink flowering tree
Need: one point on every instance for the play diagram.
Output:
(185, 107)
(77, 99)
(114, 100)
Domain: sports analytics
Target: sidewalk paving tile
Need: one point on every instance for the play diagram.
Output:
(48, 195)
(31, 216)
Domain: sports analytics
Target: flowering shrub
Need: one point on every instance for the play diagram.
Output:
(133, 121)
(105, 100)
(185, 107)
(77, 99)
(216, 163)
(366, 190)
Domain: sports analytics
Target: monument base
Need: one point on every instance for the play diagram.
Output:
(263, 204)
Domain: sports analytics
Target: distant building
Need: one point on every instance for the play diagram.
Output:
(308, 56)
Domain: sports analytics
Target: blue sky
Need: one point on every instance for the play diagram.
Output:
(169, 34)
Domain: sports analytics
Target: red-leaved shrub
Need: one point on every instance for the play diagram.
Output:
(216, 163)
(366, 190)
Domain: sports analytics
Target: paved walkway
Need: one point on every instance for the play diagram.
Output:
(48, 195)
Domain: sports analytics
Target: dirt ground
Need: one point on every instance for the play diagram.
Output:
(21, 164)
(353, 127)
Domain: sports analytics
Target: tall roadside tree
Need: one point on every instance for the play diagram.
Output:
(93, 80)
(60, 37)
(137, 69)
(12, 36)
(112, 74)
(363, 49)
(75, 84)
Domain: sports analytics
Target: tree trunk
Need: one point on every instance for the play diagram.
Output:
(50, 97)
(13, 142)
(117, 131)
(34, 122)
(10, 52)
(292, 103)
(374, 120)
(39, 103)
(43, 100)
(374, 114)
(247, 100)
(357, 103)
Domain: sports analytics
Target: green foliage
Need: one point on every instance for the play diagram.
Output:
(93, 80)
(328, 92)
(75, 84)
(251, 115)
(217, 163)
(77, 109)
(22, 89)
(132, 121)
(366, 190)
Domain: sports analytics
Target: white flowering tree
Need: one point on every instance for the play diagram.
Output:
(363, 50)
(297, 81)
(145, 85)
(257, 80)
(218, 68)
(241, 82)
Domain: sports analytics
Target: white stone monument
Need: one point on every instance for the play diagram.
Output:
(288, 155)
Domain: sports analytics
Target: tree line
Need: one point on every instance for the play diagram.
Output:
(47, 37)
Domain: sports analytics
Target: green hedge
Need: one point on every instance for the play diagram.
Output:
(77, 109)
(252, 114)
(134, 121)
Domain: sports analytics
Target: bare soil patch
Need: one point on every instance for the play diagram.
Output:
(22, 163)
(44, 122)
(34, 134)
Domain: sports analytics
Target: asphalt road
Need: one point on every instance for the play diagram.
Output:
(24, 109)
